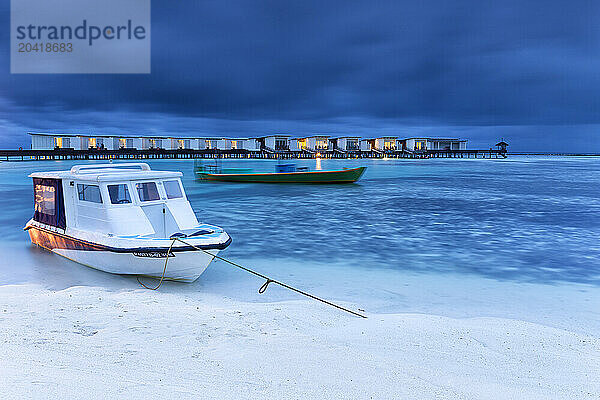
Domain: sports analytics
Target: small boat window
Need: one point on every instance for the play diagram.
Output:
(173, 189)
(147, 191)
(89, 193)
(45, 202)
(119, 194)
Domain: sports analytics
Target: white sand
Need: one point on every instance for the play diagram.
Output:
(89, 342)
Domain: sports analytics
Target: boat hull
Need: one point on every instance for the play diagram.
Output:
(341, 176)
(184, 263)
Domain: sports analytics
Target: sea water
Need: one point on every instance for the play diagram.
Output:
(516, 237)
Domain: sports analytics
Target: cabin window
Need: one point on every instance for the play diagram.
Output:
(172, 189)
(147, 191)
(89, 193)
(119, 194)
(45, 199)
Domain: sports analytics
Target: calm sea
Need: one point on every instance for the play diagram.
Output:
(523, 218)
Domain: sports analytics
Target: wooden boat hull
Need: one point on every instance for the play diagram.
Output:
(341, 176)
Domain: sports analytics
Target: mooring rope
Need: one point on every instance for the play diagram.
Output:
(262, 289)
(268, 280)
(162, 278)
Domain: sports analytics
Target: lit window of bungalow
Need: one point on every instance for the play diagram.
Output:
(317, 142)
(386, 143)
(242, 143)
(130, 143)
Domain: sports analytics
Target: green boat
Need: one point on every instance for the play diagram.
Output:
(286, 173)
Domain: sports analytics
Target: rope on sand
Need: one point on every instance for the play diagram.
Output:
(262, 289)
(162, 278)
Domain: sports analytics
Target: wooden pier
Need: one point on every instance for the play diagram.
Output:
(135, 154)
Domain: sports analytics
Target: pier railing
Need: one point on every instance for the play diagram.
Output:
(104, 154)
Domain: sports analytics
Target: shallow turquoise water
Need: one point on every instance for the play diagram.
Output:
(516, 238)
(530, 219)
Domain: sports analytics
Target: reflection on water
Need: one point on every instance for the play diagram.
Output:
(527, 219)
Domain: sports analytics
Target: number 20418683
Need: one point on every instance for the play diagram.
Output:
(27, 47)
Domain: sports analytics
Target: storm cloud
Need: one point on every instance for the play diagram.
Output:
(475, 69)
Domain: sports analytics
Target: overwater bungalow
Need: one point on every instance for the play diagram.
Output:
(299, 144)
(180, 144)
(264, 147)
(501, 145)
(209, 143)
(367, 144)
(47, 141)
(345, 143)
(315, 143)
(155, 142)
(250, 144)
(279, 142)
(385, 143)
(422, 144)
(124, 142)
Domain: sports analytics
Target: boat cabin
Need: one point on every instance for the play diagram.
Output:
(114, 199)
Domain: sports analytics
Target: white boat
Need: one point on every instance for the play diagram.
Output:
(122, 218)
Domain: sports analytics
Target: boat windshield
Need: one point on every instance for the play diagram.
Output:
(119, 194)
(172, 189)
(147, 191)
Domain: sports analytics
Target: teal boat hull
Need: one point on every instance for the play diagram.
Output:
(341, 176)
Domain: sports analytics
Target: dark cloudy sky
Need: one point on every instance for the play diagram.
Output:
(528, 71)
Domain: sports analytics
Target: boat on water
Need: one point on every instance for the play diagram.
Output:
(285, 173)
(122, 219)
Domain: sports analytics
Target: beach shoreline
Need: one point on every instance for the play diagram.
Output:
(92, 342)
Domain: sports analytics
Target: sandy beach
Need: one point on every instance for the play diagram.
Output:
(89, 342)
